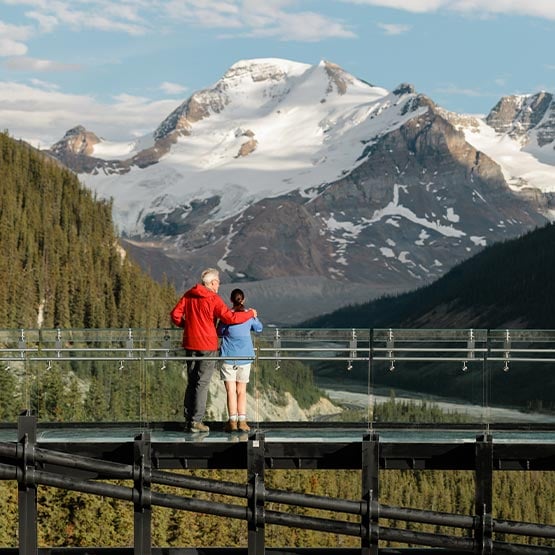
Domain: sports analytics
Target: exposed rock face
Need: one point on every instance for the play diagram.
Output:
(430, 181)
(75, 151)
(338, 77)
(261, 406)
(546, 128)
(404, 88)
(422, 200)
(517, 115)
(257, 72)
(247, 148)
(76, 141)
(194, 109)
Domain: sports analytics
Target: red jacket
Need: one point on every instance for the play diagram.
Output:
(198, 312)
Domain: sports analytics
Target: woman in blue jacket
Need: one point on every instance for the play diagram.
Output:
(235, 371)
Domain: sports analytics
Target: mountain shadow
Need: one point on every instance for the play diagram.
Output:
(506, 286)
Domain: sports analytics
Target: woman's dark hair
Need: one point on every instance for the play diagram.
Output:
(238, 298)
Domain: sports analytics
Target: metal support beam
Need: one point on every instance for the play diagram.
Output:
(484, 494)
(27, 488)
(256, 521)
(142, 508)
(370, 494)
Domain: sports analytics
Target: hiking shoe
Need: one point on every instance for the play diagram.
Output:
(198, 427)
(242, 426)
(230, 426)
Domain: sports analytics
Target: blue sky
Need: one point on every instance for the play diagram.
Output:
(119, 67)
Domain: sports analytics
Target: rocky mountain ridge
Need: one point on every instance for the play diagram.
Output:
(316, 187)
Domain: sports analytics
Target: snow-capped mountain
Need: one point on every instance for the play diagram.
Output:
(318, 188)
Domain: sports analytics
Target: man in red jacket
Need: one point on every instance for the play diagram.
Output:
(198, 312)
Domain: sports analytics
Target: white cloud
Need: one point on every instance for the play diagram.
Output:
(281, 19)
(394, 28)
(535, 8)
(454, 89)
(22, 63)
(208, 13)
(12, 39)
(41, 115)
(252, 18)
(102, 15)
(305, 27)
(407, 5)
(47, 23)
(10, 47)
(172, 88)
(44, 84)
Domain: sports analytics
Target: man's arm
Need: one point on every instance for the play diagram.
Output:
(177, 313)
(227, 316)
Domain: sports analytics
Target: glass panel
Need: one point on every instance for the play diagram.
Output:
(423, 376)
(350, 376)
(311, 375)
(522, 376)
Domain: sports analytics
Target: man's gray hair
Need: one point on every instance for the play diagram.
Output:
(208, 275)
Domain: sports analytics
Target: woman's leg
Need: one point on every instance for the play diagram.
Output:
(231, 390)
(231, 424)
(241, 389)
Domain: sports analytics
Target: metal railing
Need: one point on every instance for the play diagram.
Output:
(482, 375)
(33, 465)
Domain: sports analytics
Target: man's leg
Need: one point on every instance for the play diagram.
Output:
(199, 374)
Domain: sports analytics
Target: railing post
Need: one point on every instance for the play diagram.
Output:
(255, 464)
(484, 494)
(370, 493)
(142, 507)
(27, 488)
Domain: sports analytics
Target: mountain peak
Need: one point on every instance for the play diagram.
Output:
(404, 88)
(518, 114)
(338, 76)
(76, 140)
(260, 68)
(77, 130)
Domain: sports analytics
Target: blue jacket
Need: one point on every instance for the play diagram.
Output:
(237, 341)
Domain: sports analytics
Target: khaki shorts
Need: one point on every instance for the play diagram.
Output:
(235, 372)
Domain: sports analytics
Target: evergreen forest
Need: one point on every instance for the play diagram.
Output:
(60, 261)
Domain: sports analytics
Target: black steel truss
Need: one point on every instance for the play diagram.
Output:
(81, 467)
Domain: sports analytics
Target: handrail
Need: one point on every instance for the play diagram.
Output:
(379, 358)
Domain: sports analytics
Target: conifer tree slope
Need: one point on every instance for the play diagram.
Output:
(507, 285)
(60, 261)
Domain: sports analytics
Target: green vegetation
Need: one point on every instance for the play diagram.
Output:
(61, 266)
(77, 520)
(395, 410)
(60, 262)
(292, 376)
